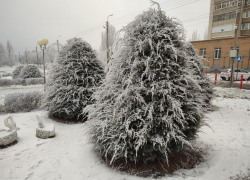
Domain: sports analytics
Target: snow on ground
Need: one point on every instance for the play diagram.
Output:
(70, 156)
(18, 88)
(7, 69)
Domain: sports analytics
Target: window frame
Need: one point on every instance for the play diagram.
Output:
(217, 51)
(203, 52)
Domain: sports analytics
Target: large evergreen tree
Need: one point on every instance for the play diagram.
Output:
(72, 79)
(150, 104)
(198, 71)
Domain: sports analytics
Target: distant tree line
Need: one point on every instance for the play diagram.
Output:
(9, 58)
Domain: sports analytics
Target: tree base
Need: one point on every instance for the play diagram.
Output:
(187, 159)
(69, 121)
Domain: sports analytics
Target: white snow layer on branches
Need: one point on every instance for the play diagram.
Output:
(150, 104)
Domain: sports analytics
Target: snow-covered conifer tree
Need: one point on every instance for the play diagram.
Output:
(72, 79)
(198, 71)
(149, 104)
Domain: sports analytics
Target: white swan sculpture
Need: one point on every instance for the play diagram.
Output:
(8, 136)
(43, 131)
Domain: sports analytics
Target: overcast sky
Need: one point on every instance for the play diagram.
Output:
(23, 22)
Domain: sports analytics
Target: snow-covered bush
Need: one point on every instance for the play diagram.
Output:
(6, 74)
(17, 71)
(33, 81)
(18, 81)
(9, 82)
(149, 105)
(22, 102)
(72, 79)
(6, 82)
(2, 109)
(30, 71)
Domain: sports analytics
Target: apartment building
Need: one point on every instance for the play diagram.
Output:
(222, 21)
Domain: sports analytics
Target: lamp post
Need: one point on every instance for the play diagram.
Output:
(42, 43)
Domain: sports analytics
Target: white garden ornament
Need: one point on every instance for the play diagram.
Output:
(10, 135)
(44, 131)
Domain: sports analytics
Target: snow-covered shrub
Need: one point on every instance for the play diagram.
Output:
(33, 81)
(6, 82)
(18, 81)
(9, 82)
(22, 102)
(30, 71)
(17, 71)
(149, 104)
(2, 109)
(71, 80)
(6, 74)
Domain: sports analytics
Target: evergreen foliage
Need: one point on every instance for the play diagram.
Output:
(150, 104)
(72, 79)
(30, 71)
(198, 71)
(17, 71)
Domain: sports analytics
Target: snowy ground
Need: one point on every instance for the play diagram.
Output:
(69, 156)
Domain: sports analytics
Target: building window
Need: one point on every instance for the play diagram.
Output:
(226, 16)
(228, 27)
(217, 53)
(203, 53)
(246, 26)
(227, 4)
(247, 2)
(246, 14)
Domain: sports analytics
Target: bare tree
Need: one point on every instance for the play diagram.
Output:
(51, 52)
(195, 36)
(205, 34)
(10, 51)
(113, 41)
(2, 55)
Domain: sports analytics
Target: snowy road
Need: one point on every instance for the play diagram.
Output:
(69, 156)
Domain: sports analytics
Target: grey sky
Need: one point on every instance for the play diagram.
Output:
(23, 22)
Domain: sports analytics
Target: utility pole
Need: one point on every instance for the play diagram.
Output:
(19, 58)
(107, 30)
(236, 34)
(107, 27)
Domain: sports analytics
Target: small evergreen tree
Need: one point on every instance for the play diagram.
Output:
(149, 105)
(30, 71)
(17, 71)
(72, 79)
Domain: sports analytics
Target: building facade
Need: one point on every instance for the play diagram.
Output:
(222, 21)
(216, 52)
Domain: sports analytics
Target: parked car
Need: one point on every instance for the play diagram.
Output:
(237, 74)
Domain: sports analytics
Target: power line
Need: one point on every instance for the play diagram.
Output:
(99, 26)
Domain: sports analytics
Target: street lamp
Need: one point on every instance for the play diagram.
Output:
(42, 43)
